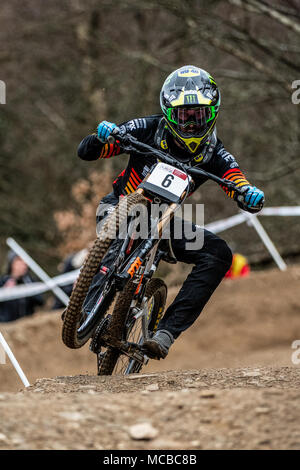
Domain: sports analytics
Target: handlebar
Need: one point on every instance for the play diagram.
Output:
(130, 143)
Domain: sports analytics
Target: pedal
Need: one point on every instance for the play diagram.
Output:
(134, 352)
(146, 359)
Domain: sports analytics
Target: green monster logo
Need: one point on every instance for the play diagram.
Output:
(190, 99)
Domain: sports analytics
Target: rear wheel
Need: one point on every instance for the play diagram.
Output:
(112, 361)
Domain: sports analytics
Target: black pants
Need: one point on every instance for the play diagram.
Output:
(210, 264)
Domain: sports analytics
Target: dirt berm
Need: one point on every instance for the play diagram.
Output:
(228, 382)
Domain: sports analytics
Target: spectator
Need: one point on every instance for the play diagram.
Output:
(17, 273)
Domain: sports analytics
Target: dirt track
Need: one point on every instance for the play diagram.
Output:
(221, 403)
(208, 409)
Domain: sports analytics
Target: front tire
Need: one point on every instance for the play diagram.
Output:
(73, 315)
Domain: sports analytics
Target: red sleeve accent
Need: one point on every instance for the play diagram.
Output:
(110, 150)
(121, 174)
(136, 175)
(236, 176)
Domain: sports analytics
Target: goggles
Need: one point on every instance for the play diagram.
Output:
(191, 121)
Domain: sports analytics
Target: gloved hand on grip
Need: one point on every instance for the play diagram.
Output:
(252, 199)
(104, 130)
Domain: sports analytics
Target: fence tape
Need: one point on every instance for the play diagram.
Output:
(35, 288)
(286, 211)
(225, 224)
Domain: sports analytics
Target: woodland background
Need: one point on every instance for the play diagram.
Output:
(69, 64)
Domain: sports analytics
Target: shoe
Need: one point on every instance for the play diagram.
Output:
(158, 346)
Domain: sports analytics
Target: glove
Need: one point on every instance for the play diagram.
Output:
(252, 200)
(104, 129)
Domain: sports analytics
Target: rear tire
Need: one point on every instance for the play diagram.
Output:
(113, 361)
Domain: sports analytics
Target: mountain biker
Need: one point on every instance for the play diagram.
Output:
(186, 130)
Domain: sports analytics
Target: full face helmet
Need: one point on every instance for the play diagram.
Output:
(190, 101)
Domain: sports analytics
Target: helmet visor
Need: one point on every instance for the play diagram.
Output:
(192, 122)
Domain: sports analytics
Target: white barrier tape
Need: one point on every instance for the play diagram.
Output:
(252, 219)
(14, 361)
(38, 270)
(224, 224)
(229, 222)
(286, 211)
(35, 288)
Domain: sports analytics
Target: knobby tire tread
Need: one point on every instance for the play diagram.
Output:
(112, 224)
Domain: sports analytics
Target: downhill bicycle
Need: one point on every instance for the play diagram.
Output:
(117, 335)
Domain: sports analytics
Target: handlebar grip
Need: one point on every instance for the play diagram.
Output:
(240, 198)
(115, 133)
(111, 139)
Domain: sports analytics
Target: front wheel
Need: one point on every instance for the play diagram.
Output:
(112, 361)
(77, 326)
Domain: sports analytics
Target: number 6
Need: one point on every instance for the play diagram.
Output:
(167, 181)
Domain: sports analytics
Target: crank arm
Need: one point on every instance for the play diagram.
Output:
(134, 351)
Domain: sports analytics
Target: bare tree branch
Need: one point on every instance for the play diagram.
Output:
(52, 115)
(237, 75)
(267, 48)
(182, 11)
(254, 6)
(246, 58)
(279, 172)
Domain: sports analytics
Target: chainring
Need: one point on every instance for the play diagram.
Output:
(95, 345)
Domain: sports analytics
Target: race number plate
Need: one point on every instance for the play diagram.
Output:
(169, 178)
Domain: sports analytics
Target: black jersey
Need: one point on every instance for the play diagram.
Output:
(221, 162)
